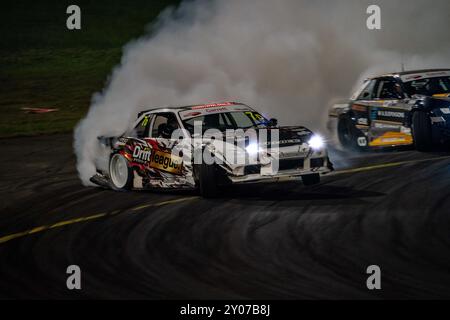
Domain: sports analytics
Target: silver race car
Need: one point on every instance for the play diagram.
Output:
(208, 146)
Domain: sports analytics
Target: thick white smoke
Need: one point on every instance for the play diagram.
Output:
(288, 58)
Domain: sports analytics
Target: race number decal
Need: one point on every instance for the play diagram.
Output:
(255, 116)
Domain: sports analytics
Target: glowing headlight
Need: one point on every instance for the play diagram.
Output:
(252, 148)
(316, 142)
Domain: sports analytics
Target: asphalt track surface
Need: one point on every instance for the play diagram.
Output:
(282, 241)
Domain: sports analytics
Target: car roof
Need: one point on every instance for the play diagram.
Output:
(404, 73)
(191, 107)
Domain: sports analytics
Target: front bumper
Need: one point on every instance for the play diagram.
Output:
(287, 168)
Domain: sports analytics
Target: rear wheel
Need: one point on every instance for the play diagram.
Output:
(311, 179)
(120, 173)
(421, 128)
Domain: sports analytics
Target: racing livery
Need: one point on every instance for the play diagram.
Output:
(163, 147)
(396, 109)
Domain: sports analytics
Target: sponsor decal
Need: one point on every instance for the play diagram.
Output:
(392, 139)
(255, 116)
(439, 73)
(156, 159)
(282, 142)
(211, 109)
(363, 121)
(391, 114)
(437, 119)
(303, 132)
(212, 105)
(142, 153)
(193, 114)
(166, 162)
(389, 103)
(445, 110)
(373, 113)
(216, 110)
(358, 107)
(145, 121)
(399, 139)
(362, 141)
(380, 125)
(416, 76)
(441, 95)
(405, 130)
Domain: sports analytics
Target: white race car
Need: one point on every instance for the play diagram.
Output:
(207, 146)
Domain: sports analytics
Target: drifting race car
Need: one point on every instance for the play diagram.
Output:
(396, 109)
(206, 146)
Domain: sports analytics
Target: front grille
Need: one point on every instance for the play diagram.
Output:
(289, 164)
(317, 163)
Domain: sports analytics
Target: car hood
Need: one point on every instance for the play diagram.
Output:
(438, 96)
(288, 136)
(281, 136)
(281, 142)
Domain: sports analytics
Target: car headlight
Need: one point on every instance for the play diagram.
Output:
(252, 149)
(316, 142)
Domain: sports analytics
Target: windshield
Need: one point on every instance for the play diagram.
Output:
(428, 86)
(228, 120)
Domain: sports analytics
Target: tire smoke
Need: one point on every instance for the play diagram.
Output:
(289, 59)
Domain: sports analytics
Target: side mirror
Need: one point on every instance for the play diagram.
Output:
(273, 122)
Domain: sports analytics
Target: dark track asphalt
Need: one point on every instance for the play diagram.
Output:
(264, 241)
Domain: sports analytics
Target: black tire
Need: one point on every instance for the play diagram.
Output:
(120, 173)
(207, 181)
(344, 134)
(311, 179)
(348, 135)
(421, 128)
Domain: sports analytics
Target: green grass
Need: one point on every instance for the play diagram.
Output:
(59, 78)
(42, 64)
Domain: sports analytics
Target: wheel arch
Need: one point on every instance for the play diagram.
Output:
(130, 181)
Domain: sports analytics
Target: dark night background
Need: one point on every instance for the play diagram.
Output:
(264, 241)
(43, 64)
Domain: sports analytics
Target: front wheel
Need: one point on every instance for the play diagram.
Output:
(120, 173)
(311, 179)
(350, 137)
(421, 129)
(207, 181)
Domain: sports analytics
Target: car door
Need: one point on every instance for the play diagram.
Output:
(167, 164)
(388, 114)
